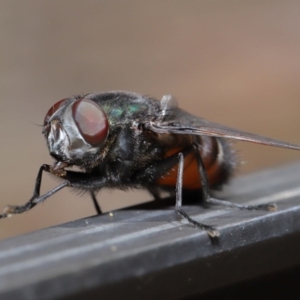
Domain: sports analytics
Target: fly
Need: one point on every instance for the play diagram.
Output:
(124, 140)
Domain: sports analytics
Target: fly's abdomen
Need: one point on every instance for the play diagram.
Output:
(218, 159)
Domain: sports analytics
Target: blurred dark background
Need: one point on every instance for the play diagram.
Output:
(233, 62)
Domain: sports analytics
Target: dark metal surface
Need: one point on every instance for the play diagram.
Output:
(153, 254)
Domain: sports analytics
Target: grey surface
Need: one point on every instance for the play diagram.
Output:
(153, 253)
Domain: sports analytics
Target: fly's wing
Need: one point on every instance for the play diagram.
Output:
(177, 121)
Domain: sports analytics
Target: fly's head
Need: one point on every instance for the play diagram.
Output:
(76, 130)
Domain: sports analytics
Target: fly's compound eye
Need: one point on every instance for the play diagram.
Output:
(91, 121)
(52, 110)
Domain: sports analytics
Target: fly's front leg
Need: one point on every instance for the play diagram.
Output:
(83, 181)
(36, 198)
(206, 191)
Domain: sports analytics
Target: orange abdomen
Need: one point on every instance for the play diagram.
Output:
(213, 159)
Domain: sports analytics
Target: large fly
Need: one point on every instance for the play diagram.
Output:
(125, 140)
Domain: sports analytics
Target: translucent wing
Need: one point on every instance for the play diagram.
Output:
(176, 121)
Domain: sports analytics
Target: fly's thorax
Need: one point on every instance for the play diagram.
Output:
(76, 131)
(123, 107)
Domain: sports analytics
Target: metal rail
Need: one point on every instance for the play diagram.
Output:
(154, 254)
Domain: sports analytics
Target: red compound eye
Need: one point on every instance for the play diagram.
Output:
(52, 110)
(91, 121)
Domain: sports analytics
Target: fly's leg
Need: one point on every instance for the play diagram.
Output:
(212, 232)
(36, 198)
(159, 169)
(83, 181)
(96, 204)
(206, 192)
